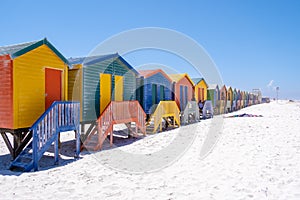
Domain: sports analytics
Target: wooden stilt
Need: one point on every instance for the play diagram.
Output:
(56, 151)
(111, 137)
(8, 144)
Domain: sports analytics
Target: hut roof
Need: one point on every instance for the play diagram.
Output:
(89, 60)
(148, 73)
(224, 87)
(178, 77)
(17, 50)
(213, 86)
(197, 80)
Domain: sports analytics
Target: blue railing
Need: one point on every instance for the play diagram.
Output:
(59, 117)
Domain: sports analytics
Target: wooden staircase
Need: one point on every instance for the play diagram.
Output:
(222, 108)
(190, 113)
(165, 114)
(117, 112)
(59, 117)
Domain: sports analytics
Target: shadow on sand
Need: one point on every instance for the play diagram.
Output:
(120, 138)
(67, 153)
(66, 156)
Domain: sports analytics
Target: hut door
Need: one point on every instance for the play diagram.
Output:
(185, 96)
(52, 86)
(200, 94)
(161, 93)
(216, 98)
(154, 94)
(181, 98)
(105, 91)
(118, 88)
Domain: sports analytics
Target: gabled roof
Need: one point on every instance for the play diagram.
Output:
(230, 88)
(224, 86)
(89, 60)
(11, 49)
(148, 73)
(178, 77)
(19, 49)
(213, 86)
(198, 80)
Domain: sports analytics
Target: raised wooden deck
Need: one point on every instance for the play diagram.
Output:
(117, 112)
(59, 117)
(167, 111)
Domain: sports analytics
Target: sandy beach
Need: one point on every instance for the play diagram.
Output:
(254, 158)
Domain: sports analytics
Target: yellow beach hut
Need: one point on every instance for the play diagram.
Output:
(33, 77)
(200, 89)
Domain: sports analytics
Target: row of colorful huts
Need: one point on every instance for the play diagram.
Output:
(105, 89)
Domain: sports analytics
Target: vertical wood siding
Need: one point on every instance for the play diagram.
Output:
(159, 80)
(190, 90)
(6, 92)
(29, 84)
(202, 85)
(91, 87)
(75, 86)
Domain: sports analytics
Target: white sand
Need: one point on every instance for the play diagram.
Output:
(255, 158)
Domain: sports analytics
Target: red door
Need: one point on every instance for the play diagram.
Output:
(52, 86)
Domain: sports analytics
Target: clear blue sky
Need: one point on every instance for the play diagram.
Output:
(251, 42)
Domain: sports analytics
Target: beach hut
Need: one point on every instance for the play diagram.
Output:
(247, 99)
(200, 89)
(223, 99)
(155, 95)
(242, 96)
(258, 94)
(183, 89)
(183, 94)
(97, 80)
(33, 76)
(234, 101)
(229, 99)
(213, 94)
(155, 86)
(105, 86)
(239, 97)
(255, 97)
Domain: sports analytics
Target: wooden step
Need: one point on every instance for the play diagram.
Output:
(90, 147)
(25, 157)
(91, 143)
(19, 166)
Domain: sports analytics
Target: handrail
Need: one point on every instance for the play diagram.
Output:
(120, 112)
(165, 108)
(128, 110)
(48, 110)
(60, 116)
(124, 110)
(190, 108)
